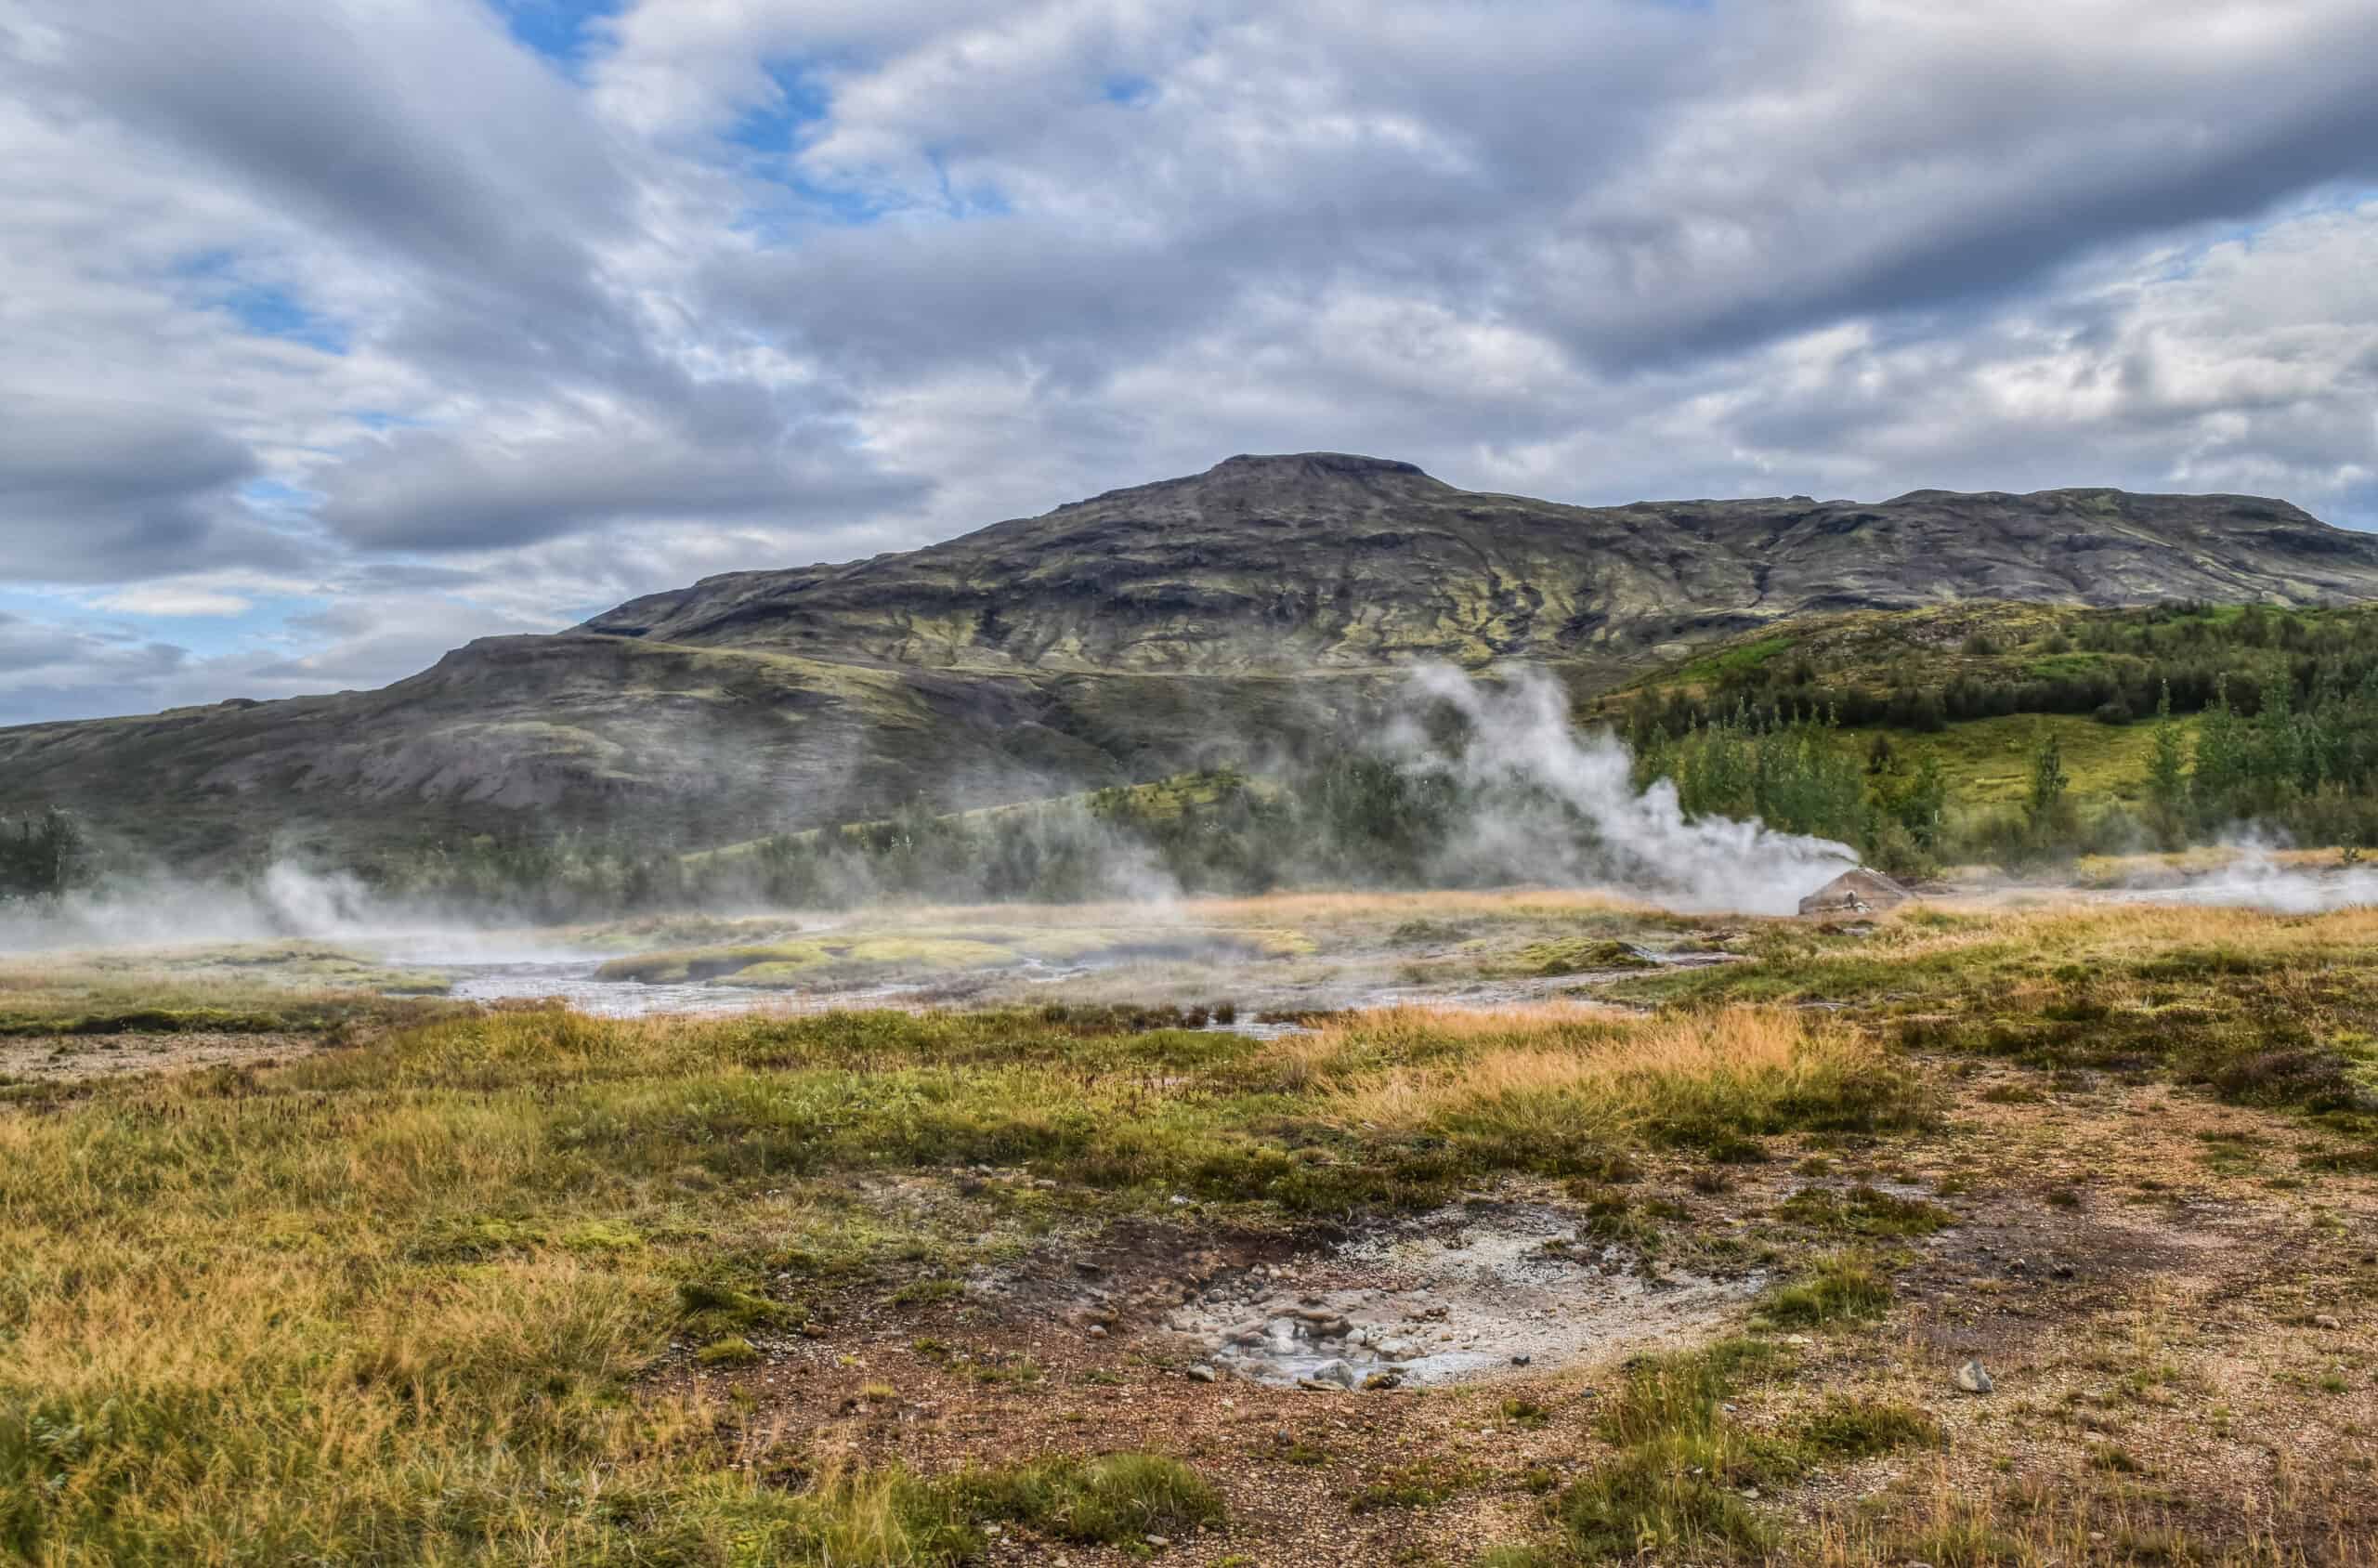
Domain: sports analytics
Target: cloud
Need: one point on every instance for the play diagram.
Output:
(377, 304)
(95, 490)
(174, 599)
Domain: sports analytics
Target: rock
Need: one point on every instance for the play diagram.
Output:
(1337, 1372)
(1856, 892)
(2325, 1320)
(1158, 1541)
(1973, 1378)
(1098, 1331)
(1201, 1373)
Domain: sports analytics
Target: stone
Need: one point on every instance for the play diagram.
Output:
(1098, 1331)
(1855, 891)
(1973, 1378)
(2325, 1320)
(1201, 1373)
(1337, 1372)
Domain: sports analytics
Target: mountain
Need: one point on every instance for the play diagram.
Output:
(1189, 622)
(1322, 561)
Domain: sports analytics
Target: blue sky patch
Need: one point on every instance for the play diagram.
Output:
(556, 29)
(1132, 92)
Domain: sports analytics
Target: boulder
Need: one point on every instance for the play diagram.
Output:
(1857, 892)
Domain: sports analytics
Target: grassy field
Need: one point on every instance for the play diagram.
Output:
(525, 1287)
(1988, 762)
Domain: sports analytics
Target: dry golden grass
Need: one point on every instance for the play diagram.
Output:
(1537, 1071)
(1292, 910)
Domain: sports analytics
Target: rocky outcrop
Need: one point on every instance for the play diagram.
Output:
(1858, 892)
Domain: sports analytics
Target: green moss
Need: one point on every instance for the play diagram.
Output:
(1577, 956)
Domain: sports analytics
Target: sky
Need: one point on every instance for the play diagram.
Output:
(336, 333)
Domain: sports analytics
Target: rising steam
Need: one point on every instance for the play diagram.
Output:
(1536, 782)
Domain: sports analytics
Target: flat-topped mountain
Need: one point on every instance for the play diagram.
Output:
(1188, 622)
(1326, 561)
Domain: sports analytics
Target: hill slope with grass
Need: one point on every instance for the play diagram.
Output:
(2047, 728)
(1203, 622)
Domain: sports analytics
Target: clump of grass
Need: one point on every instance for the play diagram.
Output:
(1864, 1210)
(2114, 1458)
(1116, 1499)
(1422, 1483)
(1860, 1429)
(732, 1351)
(1841, 1287)
(1525, 1413)
(1673, 1489)
(713, 1306)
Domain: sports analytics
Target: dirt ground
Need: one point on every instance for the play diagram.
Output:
(2175, 1309)
(80, 1058)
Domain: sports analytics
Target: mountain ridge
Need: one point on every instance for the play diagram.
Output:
(1200, 621)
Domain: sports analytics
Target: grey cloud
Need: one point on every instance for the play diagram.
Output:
(96, 491)
(430, 492)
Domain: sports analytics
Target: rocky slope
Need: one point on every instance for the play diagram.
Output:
(1181, 623)
(1324, 561)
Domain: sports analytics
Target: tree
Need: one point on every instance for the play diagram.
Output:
(2220, 757)
(2044, 808)
(41, 857)
(2167, 778)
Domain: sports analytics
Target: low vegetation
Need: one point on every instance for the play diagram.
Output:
(525, 1286)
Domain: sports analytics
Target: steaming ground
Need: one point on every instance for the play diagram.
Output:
(1245, 963)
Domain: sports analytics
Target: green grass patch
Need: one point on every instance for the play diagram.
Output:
(1841, 1288)
(1119, 1498)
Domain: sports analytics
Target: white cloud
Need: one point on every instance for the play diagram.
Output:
(365, 301)
(173, 599)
